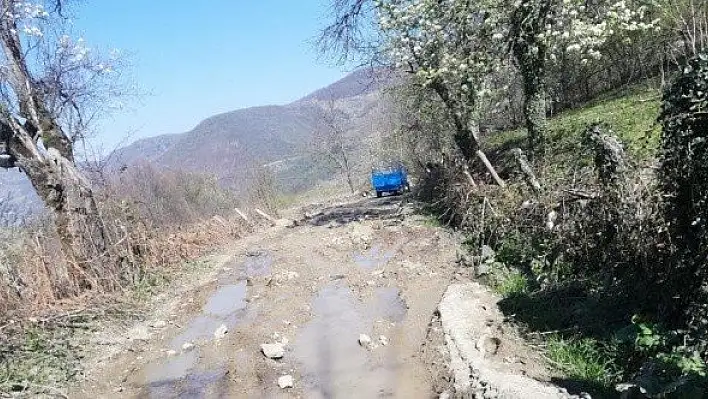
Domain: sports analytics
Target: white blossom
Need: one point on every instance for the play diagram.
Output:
(32, 31)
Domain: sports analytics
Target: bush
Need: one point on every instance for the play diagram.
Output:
(169, 198)
(154, 219)
(683, 175)
(510, 284)
(596, 240)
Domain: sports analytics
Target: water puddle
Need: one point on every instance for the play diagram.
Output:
(333, 362)
(226, 306)
(227, 300)
(389, 305)
(173, 369)
(373, 258)
(176, 376)
(191, 385)
(255, 263)
(179, 375)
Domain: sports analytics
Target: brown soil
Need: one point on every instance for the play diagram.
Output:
(359, 268)
(314, 286)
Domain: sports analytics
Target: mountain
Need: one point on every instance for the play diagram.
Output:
(18, 201)
(358, 83)
(230, 144)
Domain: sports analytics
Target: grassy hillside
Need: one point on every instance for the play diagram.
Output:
(583, 287)
(631, 113)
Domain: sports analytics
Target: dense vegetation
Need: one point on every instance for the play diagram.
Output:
(591, 224)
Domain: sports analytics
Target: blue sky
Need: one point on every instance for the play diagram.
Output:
(199, 58)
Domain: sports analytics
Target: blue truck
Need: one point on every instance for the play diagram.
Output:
(392, 178)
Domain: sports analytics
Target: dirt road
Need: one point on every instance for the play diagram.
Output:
(312, 289)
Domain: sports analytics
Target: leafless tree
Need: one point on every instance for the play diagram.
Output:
(263, 190)
(331, 142)
(688, 21)
(52, 87)
(349, 33)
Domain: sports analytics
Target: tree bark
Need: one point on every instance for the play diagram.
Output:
(535, 116)
(51, 169)
(469, 177)
(471, 150)
(466, 135)
(528, 22)
(348, 171)
(78, 223)
(349, 182)
(527, 170)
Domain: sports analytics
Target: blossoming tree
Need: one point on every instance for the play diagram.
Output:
(51, 88)
(447, 46)
(452, 46)
(538, 30)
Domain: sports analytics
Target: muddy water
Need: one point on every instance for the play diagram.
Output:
(373, 258)
(226, 306)
(388, 305)
(177, 378)
(333, 362)
(179, 375)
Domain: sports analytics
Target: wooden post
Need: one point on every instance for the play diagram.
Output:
(526, 169)
(265, 215)
(243, 215)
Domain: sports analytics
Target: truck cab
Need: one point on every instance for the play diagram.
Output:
(389, 178)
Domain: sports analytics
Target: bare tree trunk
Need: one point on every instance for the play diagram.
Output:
(349, 182)
(470, 151)
(78, 223)
(526, 169)
(348, 171)
(467, 135)
(611, 166)
(468, 175)
(535, 115)
(485, 161)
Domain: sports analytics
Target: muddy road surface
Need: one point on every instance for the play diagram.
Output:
(343, 301)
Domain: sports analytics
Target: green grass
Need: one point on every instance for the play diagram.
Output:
(511, 284)
(631, 113)
(431, 221)
(583, 360)
(157, 280)
(36, 359)
(149, 285)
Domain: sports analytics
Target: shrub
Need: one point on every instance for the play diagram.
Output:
(169, 198)
(511, 284)
(683, 175)
(154, 219)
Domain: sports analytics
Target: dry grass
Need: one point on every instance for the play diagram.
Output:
(155, 220)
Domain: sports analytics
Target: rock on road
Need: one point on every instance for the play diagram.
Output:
(342, 302)
(309, 291)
